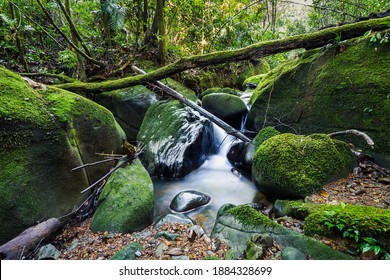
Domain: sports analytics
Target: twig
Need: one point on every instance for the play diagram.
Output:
(369, 141)
(104, 176)
(95, 163)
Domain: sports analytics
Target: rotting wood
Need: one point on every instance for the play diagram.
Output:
(28, 239)
(173, 93)
(258, 50)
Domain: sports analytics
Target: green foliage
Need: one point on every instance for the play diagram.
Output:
(116, 12)
(327, 12)
(68, 58)
(348, 226)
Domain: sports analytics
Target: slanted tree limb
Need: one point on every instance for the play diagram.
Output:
(367, 138)
(83, 54)
(229, 129)
(28, 239)
(310, 40)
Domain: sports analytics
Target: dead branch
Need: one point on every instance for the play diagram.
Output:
(173, 93)
(367, 138)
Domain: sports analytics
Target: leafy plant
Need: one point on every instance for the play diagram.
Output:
(348, 227)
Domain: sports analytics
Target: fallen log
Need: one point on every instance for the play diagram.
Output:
(258, 50)
(173, 93)
(18, 247)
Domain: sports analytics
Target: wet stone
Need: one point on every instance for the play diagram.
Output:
(188, 200)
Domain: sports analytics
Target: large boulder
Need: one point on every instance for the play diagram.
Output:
(330, 89)
(129, 107)
(237, 225)
(176, 138)
(126, 202)
(43, 135)
(228, 107)
(295, 166)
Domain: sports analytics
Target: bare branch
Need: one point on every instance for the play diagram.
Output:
(369, 141)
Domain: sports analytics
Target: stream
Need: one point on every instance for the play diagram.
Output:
(214, 178)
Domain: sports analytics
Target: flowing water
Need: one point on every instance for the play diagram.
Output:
(214, 178)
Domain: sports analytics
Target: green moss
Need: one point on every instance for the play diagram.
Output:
(126, 202)
(327, 90)
(219, 90)
(188, 93)
(169, 111)
(264, 134)
(297, 166)
(368, 221)
(249, 216)
(19, 101)
(254, 80)
(43, 135)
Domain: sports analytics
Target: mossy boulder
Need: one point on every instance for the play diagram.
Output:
(43, 135)
(330, 89)
(264, 134)
(368, 221)
(129, 107)
(295, 166)
(238, 224)
(228, 107)
(126, 202)
(176, 138)
(220, 90)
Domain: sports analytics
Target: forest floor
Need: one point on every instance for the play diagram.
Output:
(368, 185)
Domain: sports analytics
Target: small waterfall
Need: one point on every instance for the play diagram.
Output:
(214, 178)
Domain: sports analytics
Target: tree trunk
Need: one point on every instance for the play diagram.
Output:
(50, 18)
(75, 37)
(258, 50)
(106, 25)
(18, 42)
(29, 239)
(162, 36)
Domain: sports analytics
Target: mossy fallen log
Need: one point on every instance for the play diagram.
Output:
(262, 49)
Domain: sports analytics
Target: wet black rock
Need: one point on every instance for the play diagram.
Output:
(188, 200)
(240, 156)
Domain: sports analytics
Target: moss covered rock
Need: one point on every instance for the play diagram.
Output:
(330, 89)
(126, 202)
(129, 107)
(220, 90)
(177, 139)
(264, 134)
(368, 221)
(238, 224)
(227, 107)
(43, 135)
(295, 166)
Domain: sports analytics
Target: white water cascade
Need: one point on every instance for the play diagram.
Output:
(214, 178)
